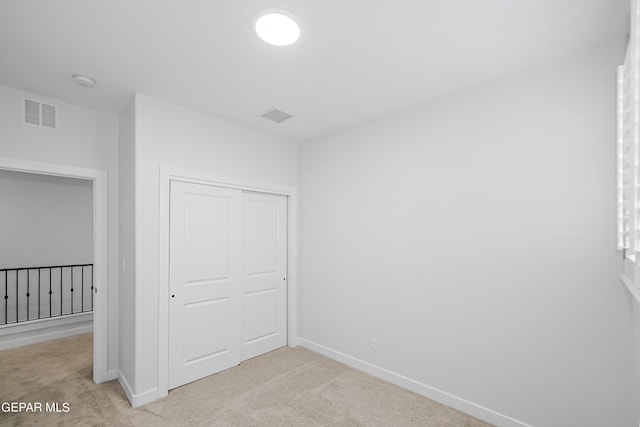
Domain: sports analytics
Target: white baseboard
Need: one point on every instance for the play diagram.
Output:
(293, 342)
(128, 391)
(32, 332)
(145, 397)
(112, 374)
(139, 399)
(432, 393)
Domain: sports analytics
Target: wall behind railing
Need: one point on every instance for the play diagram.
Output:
(45, 220)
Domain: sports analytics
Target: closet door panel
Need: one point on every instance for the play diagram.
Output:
(265, 266)
(205, 301)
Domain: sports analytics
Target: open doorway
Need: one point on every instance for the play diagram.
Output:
(79, 263)
(46, 258)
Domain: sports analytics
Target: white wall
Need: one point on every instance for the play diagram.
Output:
(170, 135)
(126, 242)
(86, 139)
(45, 220)
(474, 237)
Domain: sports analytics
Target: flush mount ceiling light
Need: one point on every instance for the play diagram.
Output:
(84, 81)
(277, 27)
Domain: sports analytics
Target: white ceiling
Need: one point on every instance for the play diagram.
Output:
(356, 59)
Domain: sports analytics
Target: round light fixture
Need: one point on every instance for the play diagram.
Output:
(84, 81)
(277, 27)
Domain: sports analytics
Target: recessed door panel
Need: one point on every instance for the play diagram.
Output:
(206, 241)
(261, 250)
(263, 322)
(215, 340)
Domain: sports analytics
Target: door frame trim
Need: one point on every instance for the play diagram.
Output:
(168, 174)
(98, 177)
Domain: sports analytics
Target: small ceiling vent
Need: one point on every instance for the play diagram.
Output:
(276, 115)
(36, 113)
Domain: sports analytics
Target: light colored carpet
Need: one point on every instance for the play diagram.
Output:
(287, 387)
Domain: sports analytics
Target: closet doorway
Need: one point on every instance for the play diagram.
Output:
(227, 278)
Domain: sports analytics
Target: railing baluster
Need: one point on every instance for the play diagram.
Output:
(17, 294)
(39, 293)
(82, 281)
(71, 289)
(60, 291)
(6, 298)
(50, 291)
(28, 293)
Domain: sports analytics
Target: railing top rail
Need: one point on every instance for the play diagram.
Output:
(48, 266)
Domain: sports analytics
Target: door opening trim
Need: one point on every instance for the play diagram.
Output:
(101, 372)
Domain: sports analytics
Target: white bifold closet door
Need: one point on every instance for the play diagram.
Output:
(227, 278)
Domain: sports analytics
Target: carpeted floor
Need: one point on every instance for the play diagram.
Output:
(287, 387)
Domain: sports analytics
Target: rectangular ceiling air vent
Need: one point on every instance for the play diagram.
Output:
(40, 114)
(276, 115)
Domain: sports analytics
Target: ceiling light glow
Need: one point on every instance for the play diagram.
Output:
(278, 28)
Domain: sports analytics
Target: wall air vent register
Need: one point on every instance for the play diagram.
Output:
(37, 113)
